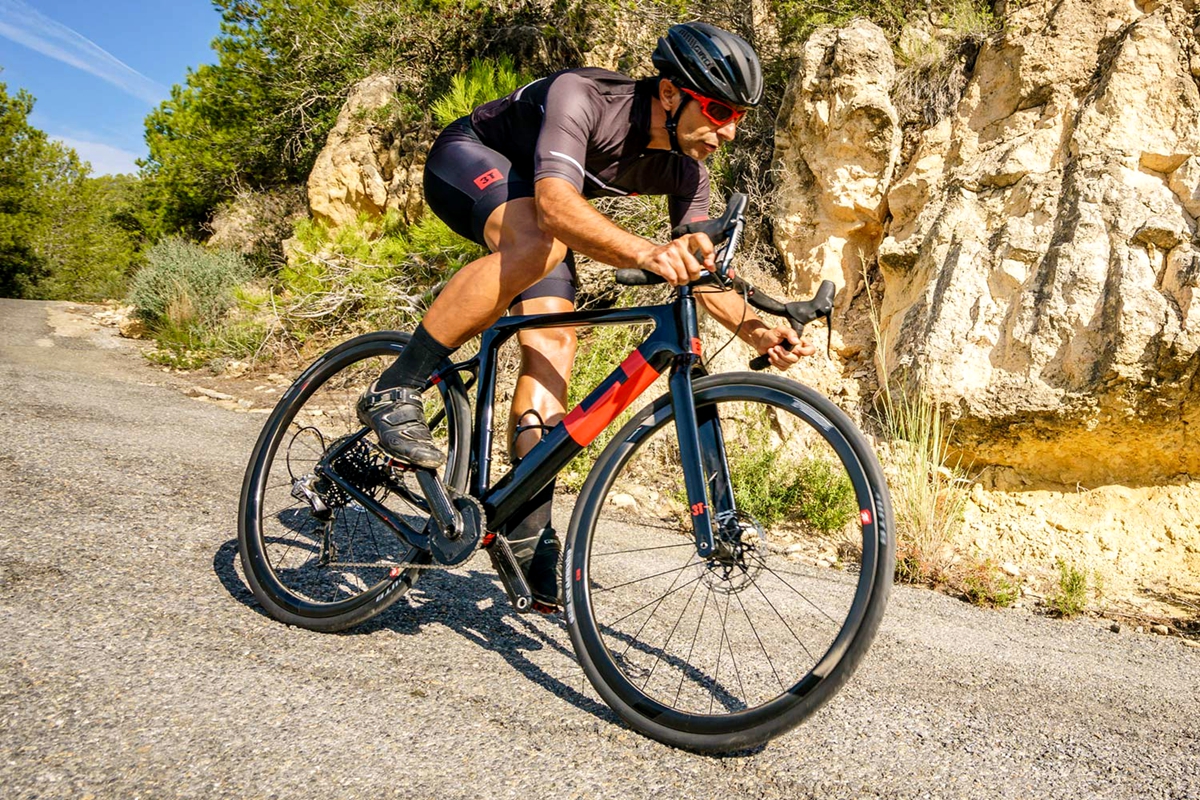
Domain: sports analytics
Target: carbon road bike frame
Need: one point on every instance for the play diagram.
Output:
(674, 344)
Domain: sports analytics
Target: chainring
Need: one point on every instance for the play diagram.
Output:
(452, 552)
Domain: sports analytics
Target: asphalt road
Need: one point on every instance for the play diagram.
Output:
(134, 662)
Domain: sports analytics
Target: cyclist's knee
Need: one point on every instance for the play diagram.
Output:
(554, 343)
(532, 259)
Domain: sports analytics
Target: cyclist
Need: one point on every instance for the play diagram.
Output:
(515, 176)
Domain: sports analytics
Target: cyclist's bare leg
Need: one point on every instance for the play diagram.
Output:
(473, 299)
(481, 292)
(540, 398)
(546, 358)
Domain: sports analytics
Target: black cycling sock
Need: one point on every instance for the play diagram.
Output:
(415, 363)
(533, 518)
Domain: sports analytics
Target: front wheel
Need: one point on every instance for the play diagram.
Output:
(723, 653)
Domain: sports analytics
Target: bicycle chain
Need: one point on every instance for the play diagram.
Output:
(406, 565)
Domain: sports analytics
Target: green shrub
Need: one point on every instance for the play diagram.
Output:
(484, 80)
(184, 285)
(775, 489)
(826, 494)
(438, 251)
(983, 584)
(1070, 597)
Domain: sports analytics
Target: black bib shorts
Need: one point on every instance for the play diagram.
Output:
(465, 181)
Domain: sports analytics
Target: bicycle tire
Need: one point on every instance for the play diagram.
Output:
(331, 574)
(620, 649)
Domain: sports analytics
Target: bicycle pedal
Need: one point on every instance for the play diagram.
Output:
(545, 608)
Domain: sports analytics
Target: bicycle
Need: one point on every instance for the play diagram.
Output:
(666, 513)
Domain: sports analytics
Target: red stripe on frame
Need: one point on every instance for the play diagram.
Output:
(584, 425)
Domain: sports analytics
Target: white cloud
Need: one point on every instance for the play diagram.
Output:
(105, 159)
(36, 31)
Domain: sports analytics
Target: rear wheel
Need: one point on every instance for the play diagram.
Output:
(312, 554)
(723, 653)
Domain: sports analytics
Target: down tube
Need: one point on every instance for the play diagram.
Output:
(688, 434)
(576, 431)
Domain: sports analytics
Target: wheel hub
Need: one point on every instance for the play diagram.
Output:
(735, 564)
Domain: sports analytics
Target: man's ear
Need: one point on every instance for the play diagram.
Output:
(668, 94)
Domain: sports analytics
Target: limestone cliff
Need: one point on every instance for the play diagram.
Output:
(1037, 243)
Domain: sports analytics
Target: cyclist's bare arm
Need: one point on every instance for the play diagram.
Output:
(729, 309)
(568, 217)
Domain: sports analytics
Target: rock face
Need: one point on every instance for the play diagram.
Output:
(837, 141)
(367, 165)
(1039, 248)
(256, 223)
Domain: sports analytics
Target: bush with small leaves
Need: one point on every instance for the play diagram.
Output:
(185, 285)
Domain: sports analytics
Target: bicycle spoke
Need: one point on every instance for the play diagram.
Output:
(732, 656)
(802, 596)
(670, 636)
(655, 600)
(643, 549)
(712, 698)
(767, 655)
(656, 607)
(783, 620)
(639, 580)
(692, 648)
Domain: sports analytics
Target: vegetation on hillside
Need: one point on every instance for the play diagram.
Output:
(253, 121)
(63, 234)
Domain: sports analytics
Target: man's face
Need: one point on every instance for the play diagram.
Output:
(699, 136)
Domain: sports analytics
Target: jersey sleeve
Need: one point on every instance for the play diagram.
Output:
(562, 143)
(691, 202)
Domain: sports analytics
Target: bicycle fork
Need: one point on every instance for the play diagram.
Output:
(705, 466)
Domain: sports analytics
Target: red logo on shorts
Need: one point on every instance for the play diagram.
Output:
(488, 178)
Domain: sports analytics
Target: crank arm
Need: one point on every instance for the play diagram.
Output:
(440, 508)
(509, 571)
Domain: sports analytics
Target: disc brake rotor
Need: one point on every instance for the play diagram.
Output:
(737, 561)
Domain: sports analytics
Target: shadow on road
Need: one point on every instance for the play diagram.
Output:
(452, 600)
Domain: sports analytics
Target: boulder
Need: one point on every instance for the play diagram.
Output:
(370, 163)
(256, 223)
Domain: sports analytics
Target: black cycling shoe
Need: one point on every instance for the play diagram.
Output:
(540, 559)
(544, 574)
(397, 416)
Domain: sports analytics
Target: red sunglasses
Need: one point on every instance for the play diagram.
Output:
(718, 113)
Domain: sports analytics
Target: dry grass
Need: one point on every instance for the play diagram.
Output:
(928, 487)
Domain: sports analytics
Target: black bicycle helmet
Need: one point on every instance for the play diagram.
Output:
(711, 62)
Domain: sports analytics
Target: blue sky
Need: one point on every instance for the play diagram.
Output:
(98, 67)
